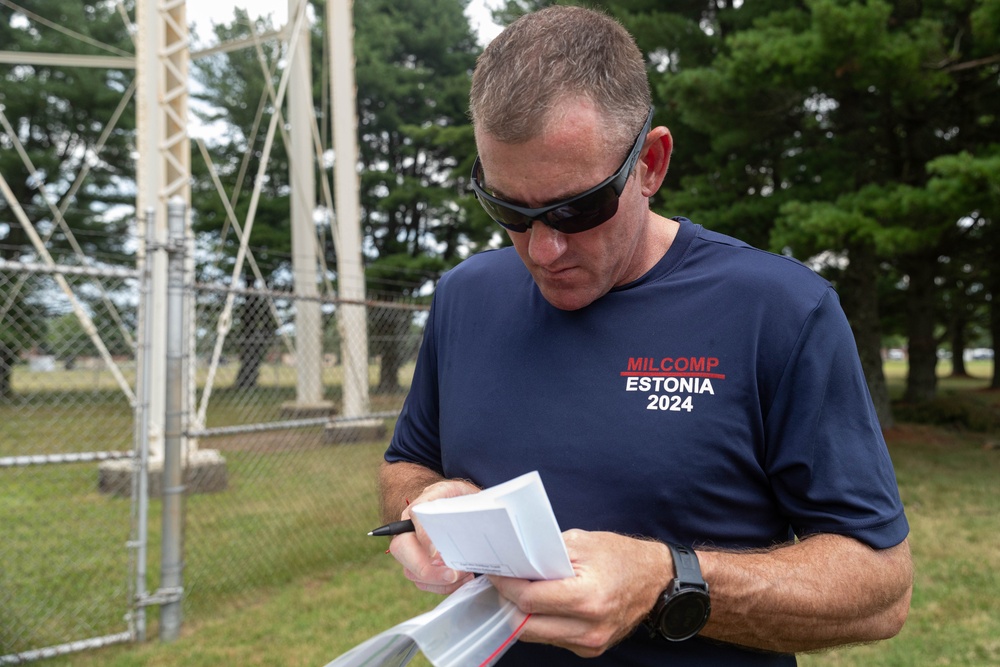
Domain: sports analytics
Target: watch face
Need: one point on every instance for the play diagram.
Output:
(684, 614)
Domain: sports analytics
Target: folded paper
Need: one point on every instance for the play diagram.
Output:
(508, 529)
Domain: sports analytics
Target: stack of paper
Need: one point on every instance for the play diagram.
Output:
(508, 529)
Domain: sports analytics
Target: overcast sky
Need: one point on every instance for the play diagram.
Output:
(205, 12)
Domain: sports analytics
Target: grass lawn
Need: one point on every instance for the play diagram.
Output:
(947, 479)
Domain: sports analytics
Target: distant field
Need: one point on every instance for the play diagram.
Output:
(980, 369)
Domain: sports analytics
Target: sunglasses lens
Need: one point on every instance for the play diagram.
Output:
(586, 212)
(577, 214)
(505, 217)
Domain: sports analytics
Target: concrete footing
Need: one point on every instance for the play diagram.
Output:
(204, 472)
(361, 430)
(293, 410)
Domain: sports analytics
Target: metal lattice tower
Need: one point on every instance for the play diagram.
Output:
(164, 172)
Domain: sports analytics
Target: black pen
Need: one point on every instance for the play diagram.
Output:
(394, 528)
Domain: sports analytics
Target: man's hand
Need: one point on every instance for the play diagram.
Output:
(420, 559)
(826, 590)
(617, 581)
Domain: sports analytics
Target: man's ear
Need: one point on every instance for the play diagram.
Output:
(656, 158)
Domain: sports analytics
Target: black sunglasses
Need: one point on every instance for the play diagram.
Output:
(576, 214)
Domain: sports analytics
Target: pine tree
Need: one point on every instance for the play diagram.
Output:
(413, 62)
(58, 117)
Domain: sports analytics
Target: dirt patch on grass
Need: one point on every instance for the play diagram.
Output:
(908, 434)
(267, 441)
(903, 433)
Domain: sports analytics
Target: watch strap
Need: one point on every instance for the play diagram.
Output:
(687, 570)
(687, 580)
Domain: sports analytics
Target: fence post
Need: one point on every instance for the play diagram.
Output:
(172, 554)
(144, 382)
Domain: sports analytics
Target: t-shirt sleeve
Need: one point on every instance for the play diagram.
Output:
(827, 459)
(416, 438)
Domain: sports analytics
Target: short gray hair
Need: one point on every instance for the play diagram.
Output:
(547, 57)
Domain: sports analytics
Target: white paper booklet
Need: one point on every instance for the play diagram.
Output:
(473, 626)
(508, 529)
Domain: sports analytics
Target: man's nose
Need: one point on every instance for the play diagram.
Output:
(545, 244)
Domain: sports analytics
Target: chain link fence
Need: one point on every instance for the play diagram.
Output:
(300, 493)
(66, 393)
(278, 482)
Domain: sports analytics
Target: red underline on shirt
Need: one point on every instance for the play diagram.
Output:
(664, 374)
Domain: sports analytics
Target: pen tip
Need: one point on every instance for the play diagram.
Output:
(371, 532)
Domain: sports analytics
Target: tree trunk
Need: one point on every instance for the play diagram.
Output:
(859, 296)
(7, 359)
(993, 280)
(388, 379)
(921, 381)
(995, 336)
(390, 337)
(255, 336)
(958, 329)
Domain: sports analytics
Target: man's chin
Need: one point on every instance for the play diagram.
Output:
(568, 298)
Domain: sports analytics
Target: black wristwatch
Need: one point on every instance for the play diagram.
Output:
(683, 607)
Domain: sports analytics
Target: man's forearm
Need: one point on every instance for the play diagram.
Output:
(824, 591)
(399, 483)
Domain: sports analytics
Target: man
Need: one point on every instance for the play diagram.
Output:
(676, 389)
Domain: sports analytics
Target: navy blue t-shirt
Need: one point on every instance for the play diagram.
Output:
(717, 401)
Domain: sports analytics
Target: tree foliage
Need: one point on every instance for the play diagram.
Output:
(822, 128)
(58, 115)
(860, 135)
(413, 62)
(64, 154)
(855, 134)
